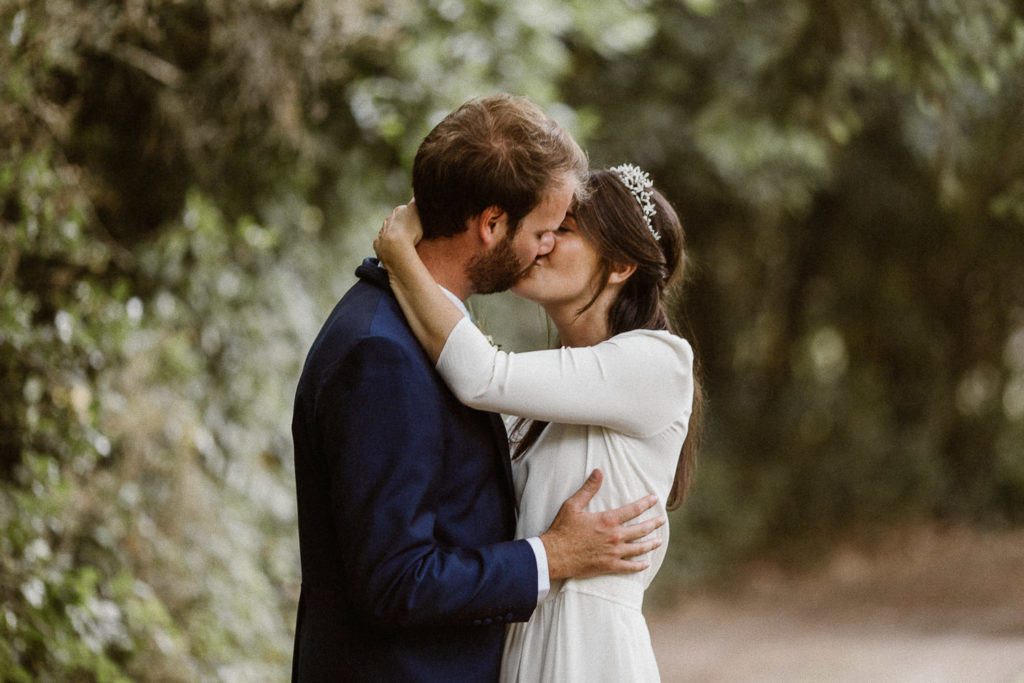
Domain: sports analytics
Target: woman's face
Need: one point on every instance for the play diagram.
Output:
(567, 275)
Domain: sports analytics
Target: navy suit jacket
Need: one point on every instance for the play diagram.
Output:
(405, 507)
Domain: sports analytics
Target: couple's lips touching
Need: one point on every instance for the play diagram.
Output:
(526, 271)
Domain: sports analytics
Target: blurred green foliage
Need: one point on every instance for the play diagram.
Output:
(852, 181)
(187, 185)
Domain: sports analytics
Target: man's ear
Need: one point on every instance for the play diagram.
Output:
(490, 225)
(620, 273)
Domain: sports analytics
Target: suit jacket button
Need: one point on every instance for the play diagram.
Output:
(509, 616)
(477, 622)
(487, 621)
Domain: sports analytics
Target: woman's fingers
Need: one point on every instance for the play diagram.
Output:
(403, 225)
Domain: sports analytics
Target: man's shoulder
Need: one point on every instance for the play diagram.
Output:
(368, 311)
(365, 356)
(365, 311)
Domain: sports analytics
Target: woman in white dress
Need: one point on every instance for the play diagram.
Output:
(620, 395)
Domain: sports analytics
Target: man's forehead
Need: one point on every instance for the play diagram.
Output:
(571, 182)
(563, 190)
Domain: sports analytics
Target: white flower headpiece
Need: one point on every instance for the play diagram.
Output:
(639, 183)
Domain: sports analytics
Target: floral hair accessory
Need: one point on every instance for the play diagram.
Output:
(639, 183)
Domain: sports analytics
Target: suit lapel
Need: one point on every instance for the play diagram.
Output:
(501, 443)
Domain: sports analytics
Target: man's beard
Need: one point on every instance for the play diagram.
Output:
(495, 270)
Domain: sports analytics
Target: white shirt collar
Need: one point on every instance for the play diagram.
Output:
(457, 301)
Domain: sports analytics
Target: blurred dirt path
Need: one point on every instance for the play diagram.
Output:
(923, 606)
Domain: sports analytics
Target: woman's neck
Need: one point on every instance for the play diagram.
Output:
(585, 329)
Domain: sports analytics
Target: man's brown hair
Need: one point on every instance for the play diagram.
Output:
(500, 150)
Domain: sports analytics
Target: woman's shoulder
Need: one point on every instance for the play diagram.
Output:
(653, 340)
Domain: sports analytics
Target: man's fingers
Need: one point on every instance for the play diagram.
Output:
(629, 566)
(590, 487)
(638, 548)
(632, 510)
(632, 532)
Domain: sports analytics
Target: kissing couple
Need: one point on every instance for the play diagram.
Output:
(437, 542)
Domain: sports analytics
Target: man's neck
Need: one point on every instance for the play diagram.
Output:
(442, 259)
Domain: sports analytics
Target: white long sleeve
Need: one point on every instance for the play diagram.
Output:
(635, 382)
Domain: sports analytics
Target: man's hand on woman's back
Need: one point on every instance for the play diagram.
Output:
(580, 543)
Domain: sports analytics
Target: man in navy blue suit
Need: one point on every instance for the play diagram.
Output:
(405, 501)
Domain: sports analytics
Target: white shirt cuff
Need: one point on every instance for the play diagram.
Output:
(543, 581)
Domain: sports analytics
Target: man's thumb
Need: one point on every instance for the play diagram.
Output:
(588, 490)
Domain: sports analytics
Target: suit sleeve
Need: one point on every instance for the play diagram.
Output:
(380, 419)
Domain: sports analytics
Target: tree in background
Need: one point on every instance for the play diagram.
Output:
(182, 186)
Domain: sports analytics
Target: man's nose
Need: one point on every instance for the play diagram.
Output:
(547, 243)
